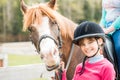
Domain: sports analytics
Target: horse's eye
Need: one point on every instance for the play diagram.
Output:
(31, 29)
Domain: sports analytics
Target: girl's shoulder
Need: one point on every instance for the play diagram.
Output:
(106, 64)
(107, 70)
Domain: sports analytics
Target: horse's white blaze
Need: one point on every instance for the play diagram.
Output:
(48, 48)
(44, 27)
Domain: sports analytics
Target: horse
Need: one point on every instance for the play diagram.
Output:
(52, 35)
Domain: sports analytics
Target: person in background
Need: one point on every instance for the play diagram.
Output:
(90, 37)
(110, 23)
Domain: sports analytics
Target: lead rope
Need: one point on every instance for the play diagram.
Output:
(68, 63)
(70, 56)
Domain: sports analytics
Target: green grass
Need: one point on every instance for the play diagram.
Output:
(14, 59)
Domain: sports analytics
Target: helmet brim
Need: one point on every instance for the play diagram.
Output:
(76, 40)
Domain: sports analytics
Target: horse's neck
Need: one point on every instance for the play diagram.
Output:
(66, 49)
(67, 44)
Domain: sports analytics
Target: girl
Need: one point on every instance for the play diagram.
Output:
(90, 38)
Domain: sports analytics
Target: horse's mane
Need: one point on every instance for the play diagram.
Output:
(34, 14)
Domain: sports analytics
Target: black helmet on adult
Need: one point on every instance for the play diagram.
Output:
(88, 29)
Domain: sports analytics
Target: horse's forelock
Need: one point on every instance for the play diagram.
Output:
(33, 15)
(47, 11)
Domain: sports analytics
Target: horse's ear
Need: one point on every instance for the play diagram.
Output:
(23, 6)
(52, 4)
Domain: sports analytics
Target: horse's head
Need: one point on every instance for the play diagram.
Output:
(44, 31)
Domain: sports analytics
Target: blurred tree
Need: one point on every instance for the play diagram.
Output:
(17, 21)
(87, 10)
(80, 10)
(97, 10)
(3, 19)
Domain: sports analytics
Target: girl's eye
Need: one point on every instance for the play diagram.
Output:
(90, 42)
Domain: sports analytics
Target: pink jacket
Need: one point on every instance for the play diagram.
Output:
(102, 70)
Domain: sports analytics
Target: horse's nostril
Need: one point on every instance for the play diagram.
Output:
(55, 52)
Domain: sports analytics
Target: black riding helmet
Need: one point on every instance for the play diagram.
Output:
(88, 29)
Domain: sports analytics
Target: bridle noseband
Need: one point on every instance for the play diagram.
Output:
(44, 37)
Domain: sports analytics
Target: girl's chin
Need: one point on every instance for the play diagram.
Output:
(89, 55)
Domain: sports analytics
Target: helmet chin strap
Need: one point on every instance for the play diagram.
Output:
(96, 51)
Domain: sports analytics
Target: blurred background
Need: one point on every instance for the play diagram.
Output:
(11, 16)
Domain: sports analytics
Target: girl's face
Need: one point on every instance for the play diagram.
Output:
(89, 46)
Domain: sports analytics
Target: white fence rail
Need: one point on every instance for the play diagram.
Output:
(25, 72)
(26, 48)
(4, 60)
